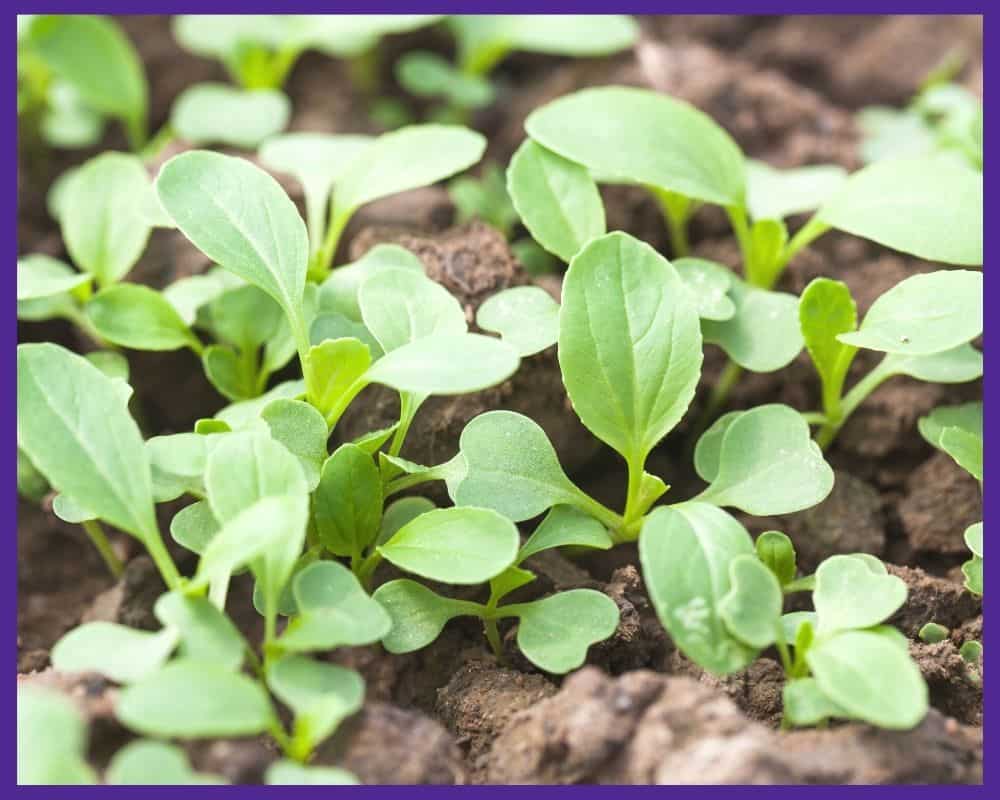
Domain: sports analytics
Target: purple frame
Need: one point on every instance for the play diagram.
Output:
(762, 7)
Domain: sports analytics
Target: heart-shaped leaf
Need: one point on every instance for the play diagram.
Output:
(339, 292)
(850, 595)
(348, 501)
(526, 317)
(399, 512)
(418, 614)
(751, 610)
(973, 568)
(400, 306)
(121, 654)
(709, 284)
(803, 703)
(763, 333)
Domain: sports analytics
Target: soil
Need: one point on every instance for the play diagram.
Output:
(786, 88)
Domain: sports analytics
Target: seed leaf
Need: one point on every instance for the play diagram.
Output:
(776, 552)
(121, 654)
(805, 704)
(339, 292)
(640, 136)
(826, 309)
(40, 276)
(556, 199)
(194, 526)
(190, 699)
(778, 193)
(51, 740)
(966, 448)
(454, 545)
(348, 501)
(973, 568)
(338, 366)
(564, 526)
(427, 74)
(968, 417)
(418, 614)
(850, 595)
(139, 318)
(206, 633)
(291, 773)
(871, 677)
(149, 763)
(526, 317)
(958, 365)
(924, 314)
(302, 430)
(763, 333)
(769, 465)
(217, 114)
(630, 359)
(708, 450)
(709, 284)
(751, 610)
(400, 306)
(685, 552)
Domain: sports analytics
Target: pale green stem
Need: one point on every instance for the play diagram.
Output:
(324, 260)
(103, 546)
(217, 591)
(862, 389)
(161, 557)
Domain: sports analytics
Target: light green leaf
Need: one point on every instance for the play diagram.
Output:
(194, 526)
(74, 426)
(509, 580)
(958, 365)
(967, 416)
(418, 614)
(871, 678)
(769, 465)
(206, 633)
(217, 114)
(776, 552)
(564, 526)
(192, 293)
(339, 292)
(178, 463)
(427, 74)
(103, 231)
(31, 484)
(121, 654)
(338, 366)
(51, 740)
(794, 623)
(150, 763)
(245, 414)
(526, 317)
(973, 568)
(641, 136)
(779, 193)
(966, 448)
(399, 512)
(763, 334)
(373, 440)
(110, 362)
(454, 545)
(291, 773)
(240, 217)
(555, 632)
(41, 276)
(630, 359)
(348, 501)
(928, 206)
(751, 610)
(826, 309)
(709, 284)
(849, 595)
(974, 539)
(302, 430)
(226, 372)
(334, 611)
(244, 316)
(685, 551)
(70, 512)
(805, 704)
(191, 700)
(511, 467)
(446, 364)
(924, 314)
(708, 450)
(556, 198)
(321, 695)
(139, 318)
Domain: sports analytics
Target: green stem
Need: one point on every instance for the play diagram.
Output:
(854, 398)
(104, 548)
(676, 210)
(367, 569)
(281, 64)
(634, 488)
(217, 591)
(805, 236)
(157, 142)
(493, 637)
(407, 411)
(741, 228)
(323, 263)
(164, 563)
(404, 482)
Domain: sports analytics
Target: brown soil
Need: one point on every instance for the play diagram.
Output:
(638, 712)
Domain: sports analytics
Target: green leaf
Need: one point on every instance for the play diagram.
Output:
(967, 416)
(564, 526)
(334, 325)
(973, 568)
(338, 366)
(971, 652)
(794, 624)
(526, 317)
(302, 430)
(630, 359)
(779, 193)
(454, 545)
(194, 526)
(111, 363)
(139, 318)
(51, 740)
(348, 501)
(966, 448)
(849, 595)
(408, 158)
(41, 276)
(418, 614)
(121, 654)
(240, 217)
(191, 700)
(316, 161)
(150, 763)
(31, 484)
(958, 365)
(446, 364)
(206, 633)
(334, 611)
(751, 610)
(709, 285)
(871, 678)
(763, 334)
(555, 632)
(93, 55)
(924, 314)
(217, 114)
(509, 580)
(400, 306)
(244, 316)
(932, 633)
(928, 206)
(70, 512)
(373, 440)
(101, 226)
(805, 704)
(708, 450)
(776, 552)
(245, 415)
(826, 309)
(291, 773)
(685, 551)
(321, 695)
(427, 74)
(192, 293)
(226, 372)
(769, 465)
(556, 198)
(339, 292)
(511, 467)
(641, 136)
(399, 512)
(74, 426)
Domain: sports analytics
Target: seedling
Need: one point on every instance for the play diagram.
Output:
(630, 362)
(74, 72)
(924, 325)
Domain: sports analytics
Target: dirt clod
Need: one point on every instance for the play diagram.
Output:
(940, 484)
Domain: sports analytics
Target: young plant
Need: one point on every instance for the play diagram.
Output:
(73, 72)
(216, 114)
(630, 361)
(924, 325)
(339, 174)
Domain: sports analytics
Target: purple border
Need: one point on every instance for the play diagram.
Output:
(992, 290)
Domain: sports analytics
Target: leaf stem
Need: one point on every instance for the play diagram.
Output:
(676, 210)
(367, 568)
(161, 557)
(323, 263)
(855, 397)
(100, 541)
